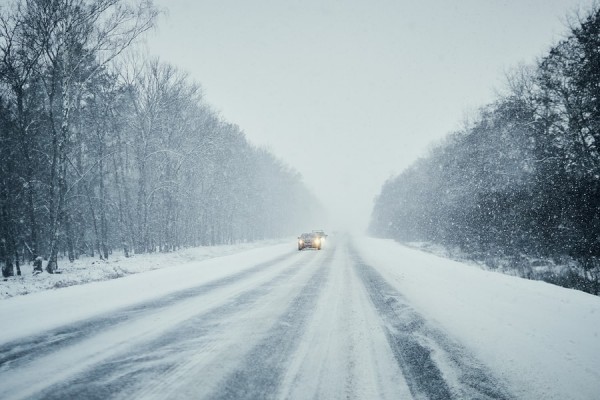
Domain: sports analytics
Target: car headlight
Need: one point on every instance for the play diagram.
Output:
(301, 241)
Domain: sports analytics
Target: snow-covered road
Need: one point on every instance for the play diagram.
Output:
(363, 318)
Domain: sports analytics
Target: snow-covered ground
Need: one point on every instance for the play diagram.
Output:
(363, 318)
(90, 269)
(544, 339)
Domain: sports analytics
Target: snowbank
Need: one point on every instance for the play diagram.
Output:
(89, 269)
(543, 339)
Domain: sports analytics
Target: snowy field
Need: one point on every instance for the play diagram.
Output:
(363, 318)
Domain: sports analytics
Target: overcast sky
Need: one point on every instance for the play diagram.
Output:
(350, 93)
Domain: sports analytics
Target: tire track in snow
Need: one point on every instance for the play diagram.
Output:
(434, 366)
(13, 354)
(151, 368)
(343, 353)
(261, 373)
(94, 330)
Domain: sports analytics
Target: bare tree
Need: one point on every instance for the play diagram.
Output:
(78, 38)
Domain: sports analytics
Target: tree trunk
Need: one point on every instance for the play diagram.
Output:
(53, 200)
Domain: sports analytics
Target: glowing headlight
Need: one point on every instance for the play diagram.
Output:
(301, 241)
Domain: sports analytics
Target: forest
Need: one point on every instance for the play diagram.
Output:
(104, 148)
(519, 184)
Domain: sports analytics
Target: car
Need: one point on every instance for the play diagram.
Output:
(309, 240)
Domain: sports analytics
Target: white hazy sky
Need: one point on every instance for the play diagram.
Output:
(351, 92)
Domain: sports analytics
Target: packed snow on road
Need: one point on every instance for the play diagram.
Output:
(362, 318)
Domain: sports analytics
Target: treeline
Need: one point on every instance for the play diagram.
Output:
(100, 152)
(522, 180)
